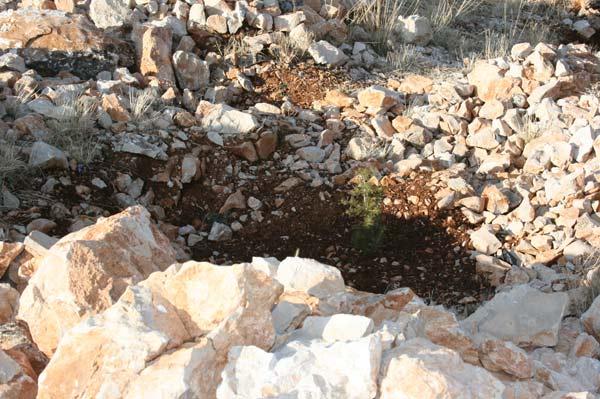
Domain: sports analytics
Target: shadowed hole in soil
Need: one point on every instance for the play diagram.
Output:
(423, 248)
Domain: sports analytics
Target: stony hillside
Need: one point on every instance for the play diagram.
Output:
(300, 199)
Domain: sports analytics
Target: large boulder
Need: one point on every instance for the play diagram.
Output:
(51, 41)
(87, 271)
(523, 315)
(420, 369)
(166, 337)
(304, 369)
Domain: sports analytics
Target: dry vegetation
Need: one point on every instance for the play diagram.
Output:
(457, 26)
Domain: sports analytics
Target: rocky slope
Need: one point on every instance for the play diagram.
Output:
(136, 136)
(273, 329)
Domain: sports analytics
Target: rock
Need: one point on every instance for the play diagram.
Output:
(309, 276)
(339, 327)
(178, 324)
(222, 118)
(112, 104)
(192, 73)
(497, 355)
(266, 145)
(324, 52)
(311, 154)
(245, 150)
(420, 369)
(45, 156)
(234, 201)
(42, 225)
(9, 300)
(287, 316)
(190, 168)
(220, 232)
(378, 97)
(523, 315)
(415, 29)
(591, 319)
(86, 272)
(156, 55)
(110, 13)
(15, 339)
(584, 29)
(360, 148)
(490, 82)
(485, 241)
(304, 369)
(8, 253)
(52, 41)
(17, 379)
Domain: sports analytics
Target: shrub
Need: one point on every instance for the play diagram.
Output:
(364, 204)
(141, 103)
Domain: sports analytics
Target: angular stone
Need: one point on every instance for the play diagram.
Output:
(523, 315)
(497, 355)
(309, 276)
(192, 73)
(110, 13)
(222, 118)
(45, 156)
(419, 369)
(178, 325)
(304, 369)
(51, 41)
(377, 97)
(415, 29)
(156, 55)
(485, 241)
(86, 272)
(324, 52)
(591, 319)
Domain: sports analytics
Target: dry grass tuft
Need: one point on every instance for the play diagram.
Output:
(141, 103)
(12, 164)
(73, 128)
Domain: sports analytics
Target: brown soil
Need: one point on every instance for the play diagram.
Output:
(423, 248)
(302, 83)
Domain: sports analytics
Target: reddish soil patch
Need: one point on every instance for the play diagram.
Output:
(302, 84)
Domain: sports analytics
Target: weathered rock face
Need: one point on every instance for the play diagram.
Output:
(523, 315)
(420, 369)
(156, 55)
(304, 369)
(87, 271)
(51, 41)
(129, 350)
(109, 13)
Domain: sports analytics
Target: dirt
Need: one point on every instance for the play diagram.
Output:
(302, 83)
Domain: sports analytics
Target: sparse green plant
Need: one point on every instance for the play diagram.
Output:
(365, 204)
(72, 128)
(12, 164)
(141, 103)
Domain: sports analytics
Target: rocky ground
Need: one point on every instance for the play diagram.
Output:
(175, 181)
